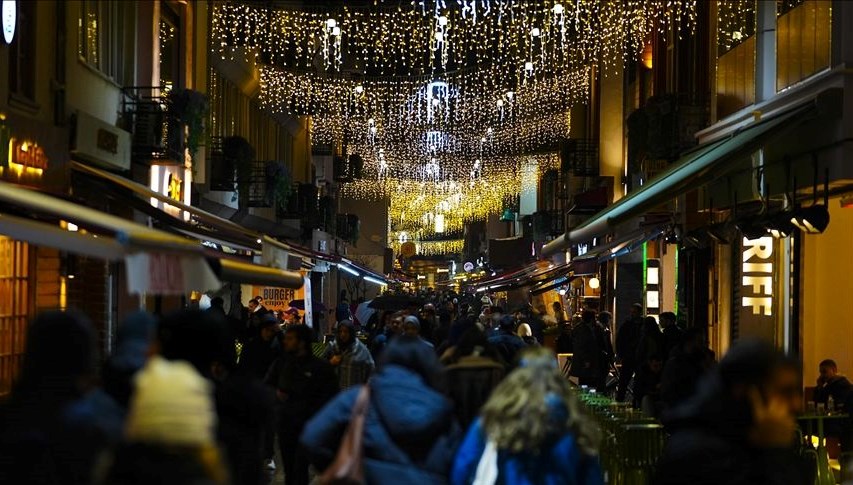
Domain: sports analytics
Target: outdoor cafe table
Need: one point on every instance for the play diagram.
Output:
(813, 425)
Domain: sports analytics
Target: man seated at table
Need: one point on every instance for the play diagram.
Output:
(832, 384)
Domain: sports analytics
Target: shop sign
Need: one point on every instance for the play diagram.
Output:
(274, 298)
(174, 182)
(27, 157)
(759, 264)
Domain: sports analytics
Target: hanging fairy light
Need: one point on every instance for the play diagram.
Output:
(332, 44)
(520, 89)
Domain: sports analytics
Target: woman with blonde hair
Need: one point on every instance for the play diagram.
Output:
(530, 431)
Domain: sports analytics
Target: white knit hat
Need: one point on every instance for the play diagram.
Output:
(171, 404)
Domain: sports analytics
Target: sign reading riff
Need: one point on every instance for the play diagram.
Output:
(757, 303)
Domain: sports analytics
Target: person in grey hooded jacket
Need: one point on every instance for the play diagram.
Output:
(350, 357)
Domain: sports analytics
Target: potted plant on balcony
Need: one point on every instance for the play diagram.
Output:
(278, 184)
(190, 109)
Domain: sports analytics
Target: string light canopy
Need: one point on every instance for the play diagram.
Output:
(444, 100)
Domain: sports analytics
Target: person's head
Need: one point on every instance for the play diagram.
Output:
(269, 327)
(412, 354)
(200, 338)
(411, 326)
(473, 342)
(534, 405)
(524, 330)
(507, 324)
(667, 319)
(694, 340)
(297, 340)
(254, 303)
(59, 357)
(588, 317)
(172, 409)
(828, 369)
(540, 308)
(429, 309)
(345, 334)
(605, 318)
(650, 324)
(395, 324)
(636, 310)
(557, 307)
(756, 370)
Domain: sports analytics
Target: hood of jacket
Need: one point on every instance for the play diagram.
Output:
(410, 410)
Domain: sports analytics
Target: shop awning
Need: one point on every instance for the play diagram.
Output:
(693, 170)
(53, 236)
(253, 274)
(552, 284)
(158, 262)
(621, 245)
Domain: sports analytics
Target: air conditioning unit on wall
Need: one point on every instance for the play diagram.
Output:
(100, 143)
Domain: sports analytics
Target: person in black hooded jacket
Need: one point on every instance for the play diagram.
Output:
(740, 427)
(410, 433)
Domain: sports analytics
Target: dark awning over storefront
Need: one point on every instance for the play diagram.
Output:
(693, 170)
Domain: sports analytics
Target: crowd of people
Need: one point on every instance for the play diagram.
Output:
(458, 390)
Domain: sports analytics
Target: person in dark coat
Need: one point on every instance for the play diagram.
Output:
(605, 343)
(649, 360)
(133, 342)
(564, 340)
(586, 361)
(506, 341)
(832, 384)
(410, 432)
(303, 383)
(740, 428)
(50, 431)
(475, 370)
(672, 334)
(244, 406)
(627, 341)
(259, 353)
(684, 370)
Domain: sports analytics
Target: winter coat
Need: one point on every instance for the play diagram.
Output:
(709, 445)
(356, 363)
(245, 411)
(672, 337)
(471, 381)
(586, 361)
(410, 433)
(561, 462)
(258, 355)
(628, 339)
(681, 376)
(840, 389)
(138, 464)
(308, 382)
(508, 345)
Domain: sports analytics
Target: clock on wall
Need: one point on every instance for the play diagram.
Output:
(9, 17)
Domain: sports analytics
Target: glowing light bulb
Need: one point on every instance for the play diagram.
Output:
(371, 121)
(442, 21)
(372, 130)
(331, 23)
(535, 32)
(489, 130)
(509, 95)
(439, 37)
(336, 31)
(500, 103)
(558, 8)
(359, 89)
(528, 66)
(483, 140)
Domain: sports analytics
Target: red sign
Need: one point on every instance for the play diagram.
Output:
(166, 274)
(28, 154)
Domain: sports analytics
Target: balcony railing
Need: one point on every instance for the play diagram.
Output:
(157, 133)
